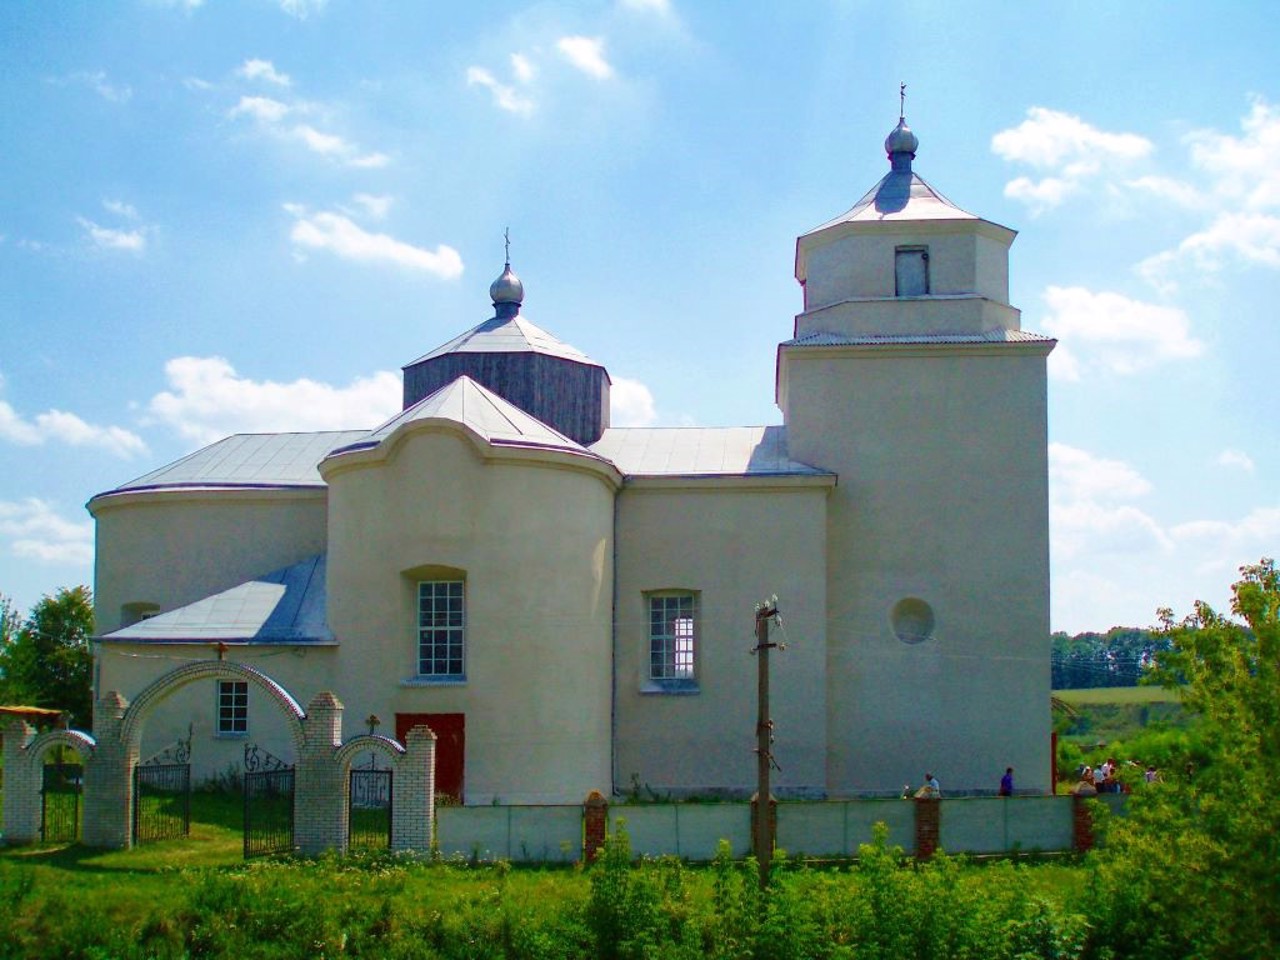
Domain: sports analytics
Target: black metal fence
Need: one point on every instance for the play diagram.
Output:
(60, 802)
(161, 801)
(369, 813)
(268, 803)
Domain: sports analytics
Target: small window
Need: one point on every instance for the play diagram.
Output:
(442, 625)
(673, 640)
(233, 708)
(911, 271)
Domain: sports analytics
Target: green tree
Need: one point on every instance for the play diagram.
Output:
(1190, 870)
(47, 661)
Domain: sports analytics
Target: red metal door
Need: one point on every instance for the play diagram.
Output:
(451, 739)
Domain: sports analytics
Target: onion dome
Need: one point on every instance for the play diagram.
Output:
(507, 288)
(901, 146)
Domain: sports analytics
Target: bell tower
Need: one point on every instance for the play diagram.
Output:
(910, 377)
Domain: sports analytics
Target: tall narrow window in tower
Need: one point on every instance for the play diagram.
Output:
(911, 271)
(673, 633)
(442, 624)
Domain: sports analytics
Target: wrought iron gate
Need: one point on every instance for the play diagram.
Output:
(268, 803)
(162, 794)
(369, 809)
(60, 802)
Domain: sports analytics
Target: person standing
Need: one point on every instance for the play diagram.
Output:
(1006, 783)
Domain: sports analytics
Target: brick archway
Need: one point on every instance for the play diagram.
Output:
(162, 688)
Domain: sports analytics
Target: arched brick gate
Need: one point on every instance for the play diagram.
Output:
(322, 766)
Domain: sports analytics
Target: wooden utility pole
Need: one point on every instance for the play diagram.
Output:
(765, 612)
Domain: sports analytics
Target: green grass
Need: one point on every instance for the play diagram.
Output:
(1118, 695)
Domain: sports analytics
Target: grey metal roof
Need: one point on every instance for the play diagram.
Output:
(465, 402)
(989, 336)
(250, 460)
(512, 334)
(900, 195)
(285, 606)
(701, 451)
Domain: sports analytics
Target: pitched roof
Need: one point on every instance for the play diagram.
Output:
(900, 195)
(252, 460)
(512, 334)
(285, 606)
(701, 451)
(465, 402)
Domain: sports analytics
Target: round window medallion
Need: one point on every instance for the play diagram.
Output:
(912, 620)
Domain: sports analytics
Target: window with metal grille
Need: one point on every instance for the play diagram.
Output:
(233, 708)
(442, 625)
(673, 635)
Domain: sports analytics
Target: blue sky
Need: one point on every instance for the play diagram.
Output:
(247, 216)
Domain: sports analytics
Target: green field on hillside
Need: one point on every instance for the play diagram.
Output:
(1118, 695)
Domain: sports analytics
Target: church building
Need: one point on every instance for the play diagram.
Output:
(570, 605)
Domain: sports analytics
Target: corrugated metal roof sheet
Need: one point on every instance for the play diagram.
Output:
(900, 195)
(285, 606)
(990, 336)
(466, 402)
(250, 460)
(701, 451)
(508, 335)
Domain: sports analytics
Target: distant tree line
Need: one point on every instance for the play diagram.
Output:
(1117, 658)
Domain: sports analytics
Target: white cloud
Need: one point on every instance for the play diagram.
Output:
(120, 209)
(344, 238)
(36, 531)
(62, 427)
(108, 239)
(1089, 508)
(586, 54)
(208, 400)
(1114, 332)
(1076, 475)
(262, 109)
(1241, 198)
(270, 113)
(660, 7)
(1177, 192)
(1235, 460)
(302, 8)
(263, 70)
(630, 404)
(505, 96)
(98, 83)
(1069, 150)
(374, 207)
(522, 67)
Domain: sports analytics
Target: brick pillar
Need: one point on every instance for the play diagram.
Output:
(928, 826)
(108, 778)
(595, 820)
(1081, 823)
(21, 823)
(413, 806)
(319, 789)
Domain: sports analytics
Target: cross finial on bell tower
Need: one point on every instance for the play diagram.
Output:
(902, 101)
(506, 242)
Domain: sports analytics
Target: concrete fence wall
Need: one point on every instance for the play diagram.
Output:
(833, 828)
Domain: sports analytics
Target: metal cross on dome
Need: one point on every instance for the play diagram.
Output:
(902, 101)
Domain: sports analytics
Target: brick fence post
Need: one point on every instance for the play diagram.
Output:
(21, 820)
(928, 826)
(413, 807)
(108, 777)
(1081, 823)
(595, 825)
(320, 789)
